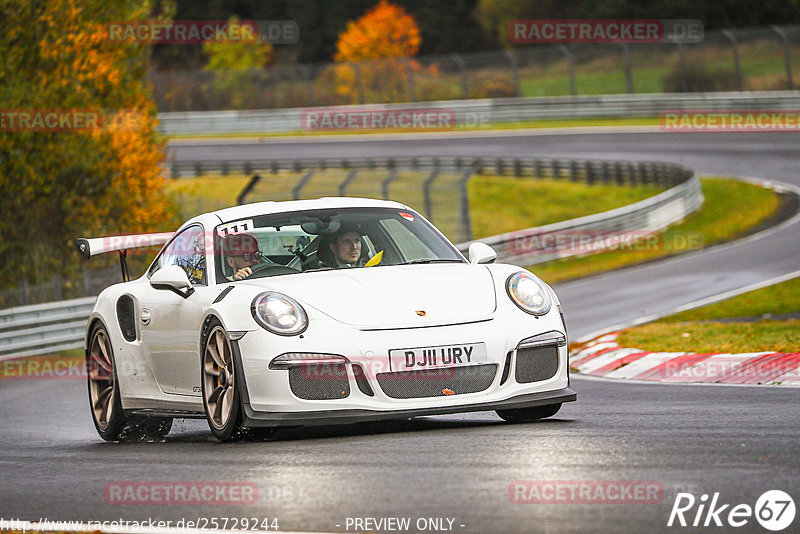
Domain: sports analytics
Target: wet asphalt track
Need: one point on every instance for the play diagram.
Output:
(739, 441)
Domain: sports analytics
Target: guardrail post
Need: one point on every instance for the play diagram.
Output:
(303, 181)
(347, 180)
(247, 188)
(462, 69)
(466, 223)
(573, 87)
(573, 170)
(786, 57)
(736, 62)
(512, 60)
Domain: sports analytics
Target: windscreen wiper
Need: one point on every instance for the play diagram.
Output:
(430, 260)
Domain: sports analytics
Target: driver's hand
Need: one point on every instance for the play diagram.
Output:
(242, 273)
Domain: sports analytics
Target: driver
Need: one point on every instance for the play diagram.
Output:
(241, 254)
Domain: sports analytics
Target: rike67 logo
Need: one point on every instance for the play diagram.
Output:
(774, 510)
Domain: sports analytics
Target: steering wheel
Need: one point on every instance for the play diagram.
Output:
(264, 267)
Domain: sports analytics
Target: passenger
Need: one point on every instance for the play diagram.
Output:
(345, 249)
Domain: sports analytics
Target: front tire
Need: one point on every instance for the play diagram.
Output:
(529, 415)
(220, 384)
(110, 421)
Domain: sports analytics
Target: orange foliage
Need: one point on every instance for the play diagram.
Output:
(385, 32)
(56, 186)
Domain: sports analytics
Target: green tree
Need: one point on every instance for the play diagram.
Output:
(238, 68)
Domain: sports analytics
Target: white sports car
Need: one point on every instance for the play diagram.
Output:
(315, 312)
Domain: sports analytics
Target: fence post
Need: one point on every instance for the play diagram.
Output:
(349, 178)
(24, 288)
(573, 88)
(57, 290)
(303, 181)
(682, 63)
(512, 60)
(359, 84)
(626, 63)
(787, 58)
(309, 84)
(387, 182)
(426, 190)
(412, 94)
(246, 191)
(462, 68)
(736, 62)
(466, 223)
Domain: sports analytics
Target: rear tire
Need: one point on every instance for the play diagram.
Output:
(529, 415)
(110, 421)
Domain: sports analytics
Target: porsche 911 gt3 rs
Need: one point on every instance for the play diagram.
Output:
(315, 312)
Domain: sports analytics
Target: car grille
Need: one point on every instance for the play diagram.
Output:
(319, 381)
(536, 363)
(434, 382)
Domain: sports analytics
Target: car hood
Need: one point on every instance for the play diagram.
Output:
(395, 296)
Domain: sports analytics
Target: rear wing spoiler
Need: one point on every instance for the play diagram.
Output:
(120, 244)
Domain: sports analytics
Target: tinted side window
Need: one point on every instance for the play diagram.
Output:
(187, 251)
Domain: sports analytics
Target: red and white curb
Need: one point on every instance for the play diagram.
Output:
(605, 358)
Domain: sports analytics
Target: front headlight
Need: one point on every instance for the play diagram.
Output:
(528, 293)
(279, 314)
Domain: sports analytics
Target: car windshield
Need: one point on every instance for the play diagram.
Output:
(315, 240)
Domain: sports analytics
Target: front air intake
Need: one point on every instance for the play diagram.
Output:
(319, 381)
(536, 363)
(437, 382)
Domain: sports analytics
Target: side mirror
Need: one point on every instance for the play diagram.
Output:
(481, 253)
(173, 278)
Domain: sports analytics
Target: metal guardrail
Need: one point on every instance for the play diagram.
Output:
(29, 330)
(481, 112)
(41, 328)
(588, 171)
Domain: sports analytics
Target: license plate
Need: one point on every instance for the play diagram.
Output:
(437, 357)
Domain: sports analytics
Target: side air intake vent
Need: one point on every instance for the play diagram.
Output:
(125, 317)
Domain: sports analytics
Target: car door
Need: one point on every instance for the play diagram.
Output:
(170, 323)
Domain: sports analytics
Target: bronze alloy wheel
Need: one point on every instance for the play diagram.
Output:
(110, 420)
(219, 379)
(102, 383)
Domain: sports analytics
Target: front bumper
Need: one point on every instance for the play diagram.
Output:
(268, 399)
(253, 418)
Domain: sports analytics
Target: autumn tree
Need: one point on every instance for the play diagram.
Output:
(82, 180)
(379, 43)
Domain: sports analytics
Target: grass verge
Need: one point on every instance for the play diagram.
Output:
(534, 124)
(701, 330)
(731, 208)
